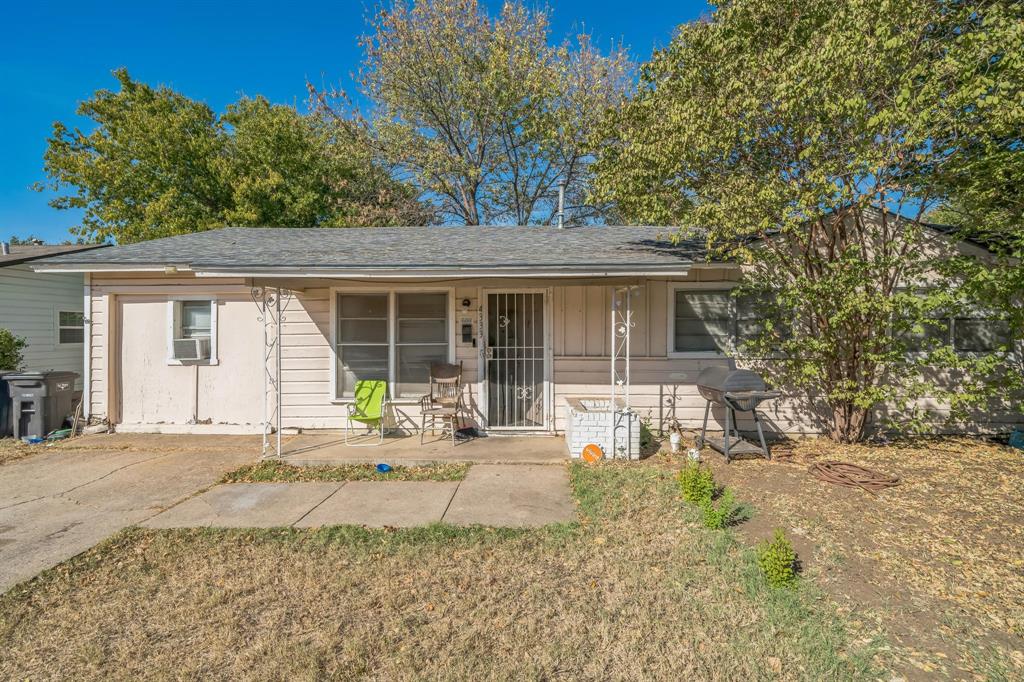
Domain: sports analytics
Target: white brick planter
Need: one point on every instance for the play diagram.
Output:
(588, 421)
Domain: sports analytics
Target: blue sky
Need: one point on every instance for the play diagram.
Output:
(55, 54)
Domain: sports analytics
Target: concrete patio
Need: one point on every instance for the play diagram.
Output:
(328, 448)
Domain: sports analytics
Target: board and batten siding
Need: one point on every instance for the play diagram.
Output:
(30, 303)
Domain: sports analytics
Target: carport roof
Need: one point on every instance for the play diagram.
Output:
(403, 251)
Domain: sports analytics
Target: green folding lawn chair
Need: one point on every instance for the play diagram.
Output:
(367, 408)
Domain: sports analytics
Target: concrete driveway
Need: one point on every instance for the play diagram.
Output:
(65, 499)
(62, 501)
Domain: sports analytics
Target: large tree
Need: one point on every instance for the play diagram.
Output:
(482, 113)
(981, 182)
(157, 163)
(780, 126)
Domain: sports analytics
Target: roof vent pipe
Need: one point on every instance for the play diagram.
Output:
(561, 204)
(6, 248)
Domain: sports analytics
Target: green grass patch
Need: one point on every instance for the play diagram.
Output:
(269, 471)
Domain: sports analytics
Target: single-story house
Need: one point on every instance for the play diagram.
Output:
(44, 308)
(245, 329)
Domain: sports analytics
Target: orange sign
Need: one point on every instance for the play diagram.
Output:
(592, 453)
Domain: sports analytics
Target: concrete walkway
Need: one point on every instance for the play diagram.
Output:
(491, 494)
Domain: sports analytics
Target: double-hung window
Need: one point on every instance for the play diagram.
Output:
(393, 337)
(70, 327)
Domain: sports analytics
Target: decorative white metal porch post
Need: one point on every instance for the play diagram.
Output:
(622, 324)
(268, 303)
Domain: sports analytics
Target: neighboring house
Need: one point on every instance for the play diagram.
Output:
(46, 308)
(528, 311)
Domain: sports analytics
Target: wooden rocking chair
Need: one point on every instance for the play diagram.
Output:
(444, 402)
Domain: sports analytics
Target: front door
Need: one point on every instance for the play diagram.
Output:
(515, 360)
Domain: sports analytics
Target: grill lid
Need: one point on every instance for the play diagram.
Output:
(730, 380)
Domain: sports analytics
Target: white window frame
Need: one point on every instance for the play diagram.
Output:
(58, 327)
(673, 287)
(392, 294)
(174, 328)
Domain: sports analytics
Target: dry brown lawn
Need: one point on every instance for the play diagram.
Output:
(937, 562)
(923, 581)
(635, 590)
(12, 450)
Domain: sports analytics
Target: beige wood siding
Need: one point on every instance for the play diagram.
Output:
(146, 390)
(30, 303)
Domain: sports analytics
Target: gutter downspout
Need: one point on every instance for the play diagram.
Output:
(86, 347)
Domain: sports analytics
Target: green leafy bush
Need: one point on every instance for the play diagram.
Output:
(10, 350)
(697, 483)
(777, 560)
(722, 512)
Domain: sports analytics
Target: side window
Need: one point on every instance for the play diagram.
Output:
(192, 328)
(979, 334)
(70, 327)
(703, 321)
(934, 332)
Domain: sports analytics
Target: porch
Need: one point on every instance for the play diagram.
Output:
(329, 449)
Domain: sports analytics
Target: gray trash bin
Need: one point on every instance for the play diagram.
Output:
(41, 401)
(6, 428)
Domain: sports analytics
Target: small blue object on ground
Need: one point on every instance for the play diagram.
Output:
(383, 468)
(1017, 439)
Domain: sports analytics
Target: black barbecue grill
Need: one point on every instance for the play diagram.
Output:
(737, 390)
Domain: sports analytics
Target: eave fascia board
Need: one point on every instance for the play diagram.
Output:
(107, 267)
(447, 273)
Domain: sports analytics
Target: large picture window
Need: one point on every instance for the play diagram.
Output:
(392, 337)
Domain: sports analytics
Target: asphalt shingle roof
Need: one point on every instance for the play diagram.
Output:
(415, 248)
(21, 253)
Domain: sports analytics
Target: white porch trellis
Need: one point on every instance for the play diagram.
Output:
(620, 421)
(268, 302)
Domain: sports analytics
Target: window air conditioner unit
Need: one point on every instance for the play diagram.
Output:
(192, 349)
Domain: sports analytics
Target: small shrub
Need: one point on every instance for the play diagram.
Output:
(721, 513)
(10, 350)
(646, 435)
(777, 560)
(697, 483)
